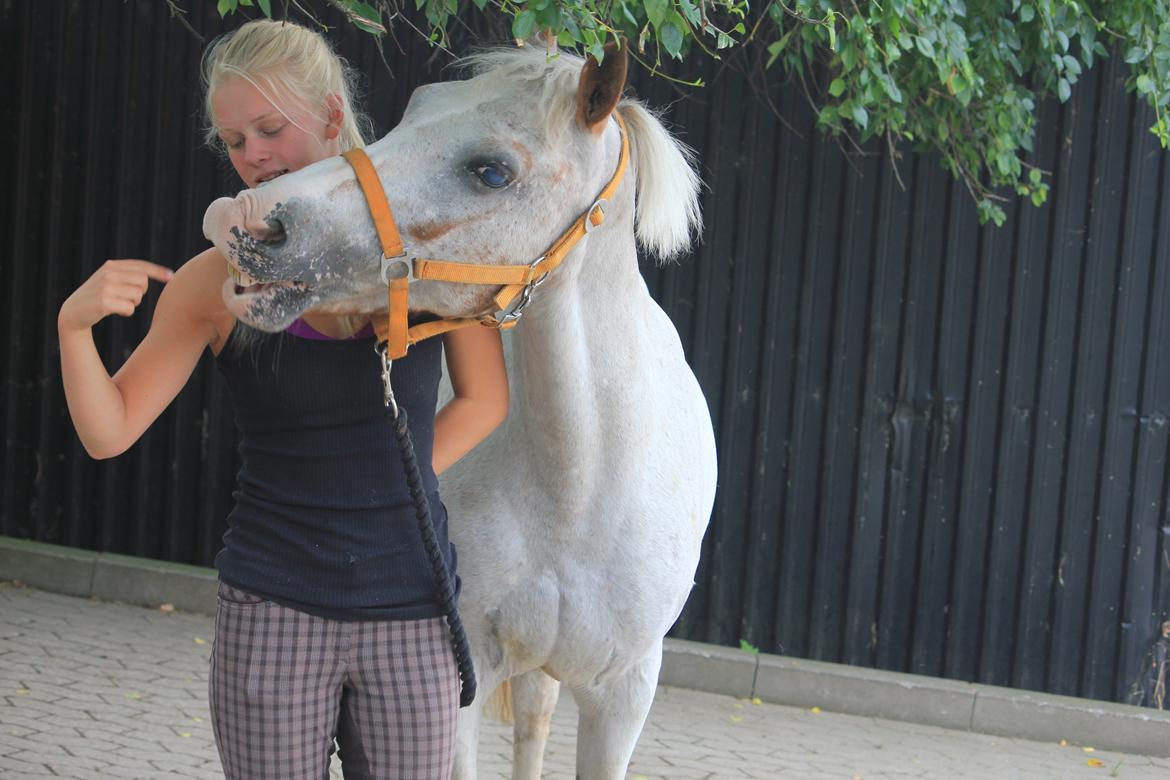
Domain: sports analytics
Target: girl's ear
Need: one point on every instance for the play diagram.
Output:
(336, 117)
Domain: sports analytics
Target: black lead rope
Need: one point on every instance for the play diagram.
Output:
(426, 529)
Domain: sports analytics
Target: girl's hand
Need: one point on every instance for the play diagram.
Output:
(115, 288)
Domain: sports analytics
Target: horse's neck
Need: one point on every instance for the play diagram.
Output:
(575, 361)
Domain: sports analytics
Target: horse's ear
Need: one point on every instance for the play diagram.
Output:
(600, 87)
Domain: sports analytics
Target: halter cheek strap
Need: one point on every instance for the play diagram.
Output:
(517, 282)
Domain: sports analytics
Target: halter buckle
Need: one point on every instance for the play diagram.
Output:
(399, 266)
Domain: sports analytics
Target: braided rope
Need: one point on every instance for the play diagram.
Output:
(426, 528)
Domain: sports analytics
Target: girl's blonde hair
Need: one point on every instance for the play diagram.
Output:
(292, 66)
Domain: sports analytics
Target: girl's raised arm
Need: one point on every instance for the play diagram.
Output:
(110, 413)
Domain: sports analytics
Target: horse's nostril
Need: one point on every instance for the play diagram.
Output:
(274, 232)
(267, 231)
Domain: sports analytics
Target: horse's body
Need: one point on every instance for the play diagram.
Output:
(578, 522)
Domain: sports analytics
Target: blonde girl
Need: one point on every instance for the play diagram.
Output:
(328, 626)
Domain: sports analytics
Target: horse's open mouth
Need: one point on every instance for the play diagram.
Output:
(263, 287)
(266, 305)
(247, 285)
(239, 297)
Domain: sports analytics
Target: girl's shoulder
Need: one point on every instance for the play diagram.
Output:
(196, 291)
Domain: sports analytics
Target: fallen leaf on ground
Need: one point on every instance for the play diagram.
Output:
(200, 640)
(134, 695)
(1088, 749)
(737, 719)
(1095, 762)
(184, 733)
(1064, 743)
(815, 710)
(757, 700)
(168, 607)
(23, 691)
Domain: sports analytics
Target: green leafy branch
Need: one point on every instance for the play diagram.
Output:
(965, 78)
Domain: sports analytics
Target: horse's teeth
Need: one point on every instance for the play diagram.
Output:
(241, 278)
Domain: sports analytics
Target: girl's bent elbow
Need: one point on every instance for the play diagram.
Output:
(103, 450)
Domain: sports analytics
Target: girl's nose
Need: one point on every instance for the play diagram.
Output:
(256, 151)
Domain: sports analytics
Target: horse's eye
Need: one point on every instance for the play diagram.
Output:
(494, 175)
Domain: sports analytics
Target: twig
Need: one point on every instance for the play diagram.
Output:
(767, 95)
(306, 12)
(654, 71)
(424, 36)
(357, 19)
(895, 155)
(797, 15)
(181, 15)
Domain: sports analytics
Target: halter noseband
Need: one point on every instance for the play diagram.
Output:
(516, 282)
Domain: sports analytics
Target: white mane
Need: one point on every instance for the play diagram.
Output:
(666, 206)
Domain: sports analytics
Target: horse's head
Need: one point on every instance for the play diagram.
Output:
(489, 170)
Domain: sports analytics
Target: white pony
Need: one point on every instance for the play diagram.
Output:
(579, 521)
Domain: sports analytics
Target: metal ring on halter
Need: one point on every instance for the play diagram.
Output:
(516, 308)
(600, 203)
(387, 388)
(407, 268)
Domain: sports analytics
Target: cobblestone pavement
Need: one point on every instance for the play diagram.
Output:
(98, 690)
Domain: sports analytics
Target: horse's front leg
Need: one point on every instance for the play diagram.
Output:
(613, 712)
(467, 740)
(534, 697)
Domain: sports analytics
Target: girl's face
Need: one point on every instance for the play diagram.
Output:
(262, 142)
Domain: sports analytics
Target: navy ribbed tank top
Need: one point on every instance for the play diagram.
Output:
(323, 521)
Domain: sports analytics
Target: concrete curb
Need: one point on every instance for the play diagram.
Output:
(107, 576)
(793, 682)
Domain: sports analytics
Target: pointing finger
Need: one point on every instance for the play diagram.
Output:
(152, 270)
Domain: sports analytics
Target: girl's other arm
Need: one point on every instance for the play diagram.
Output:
(475, 363)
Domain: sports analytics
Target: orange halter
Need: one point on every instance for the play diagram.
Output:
(516, 282)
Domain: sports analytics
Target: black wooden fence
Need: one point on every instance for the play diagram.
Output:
(943, 448)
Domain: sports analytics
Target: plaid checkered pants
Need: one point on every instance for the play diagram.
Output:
(284, 684)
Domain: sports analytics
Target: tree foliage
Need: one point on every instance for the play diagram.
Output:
(962, 77)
